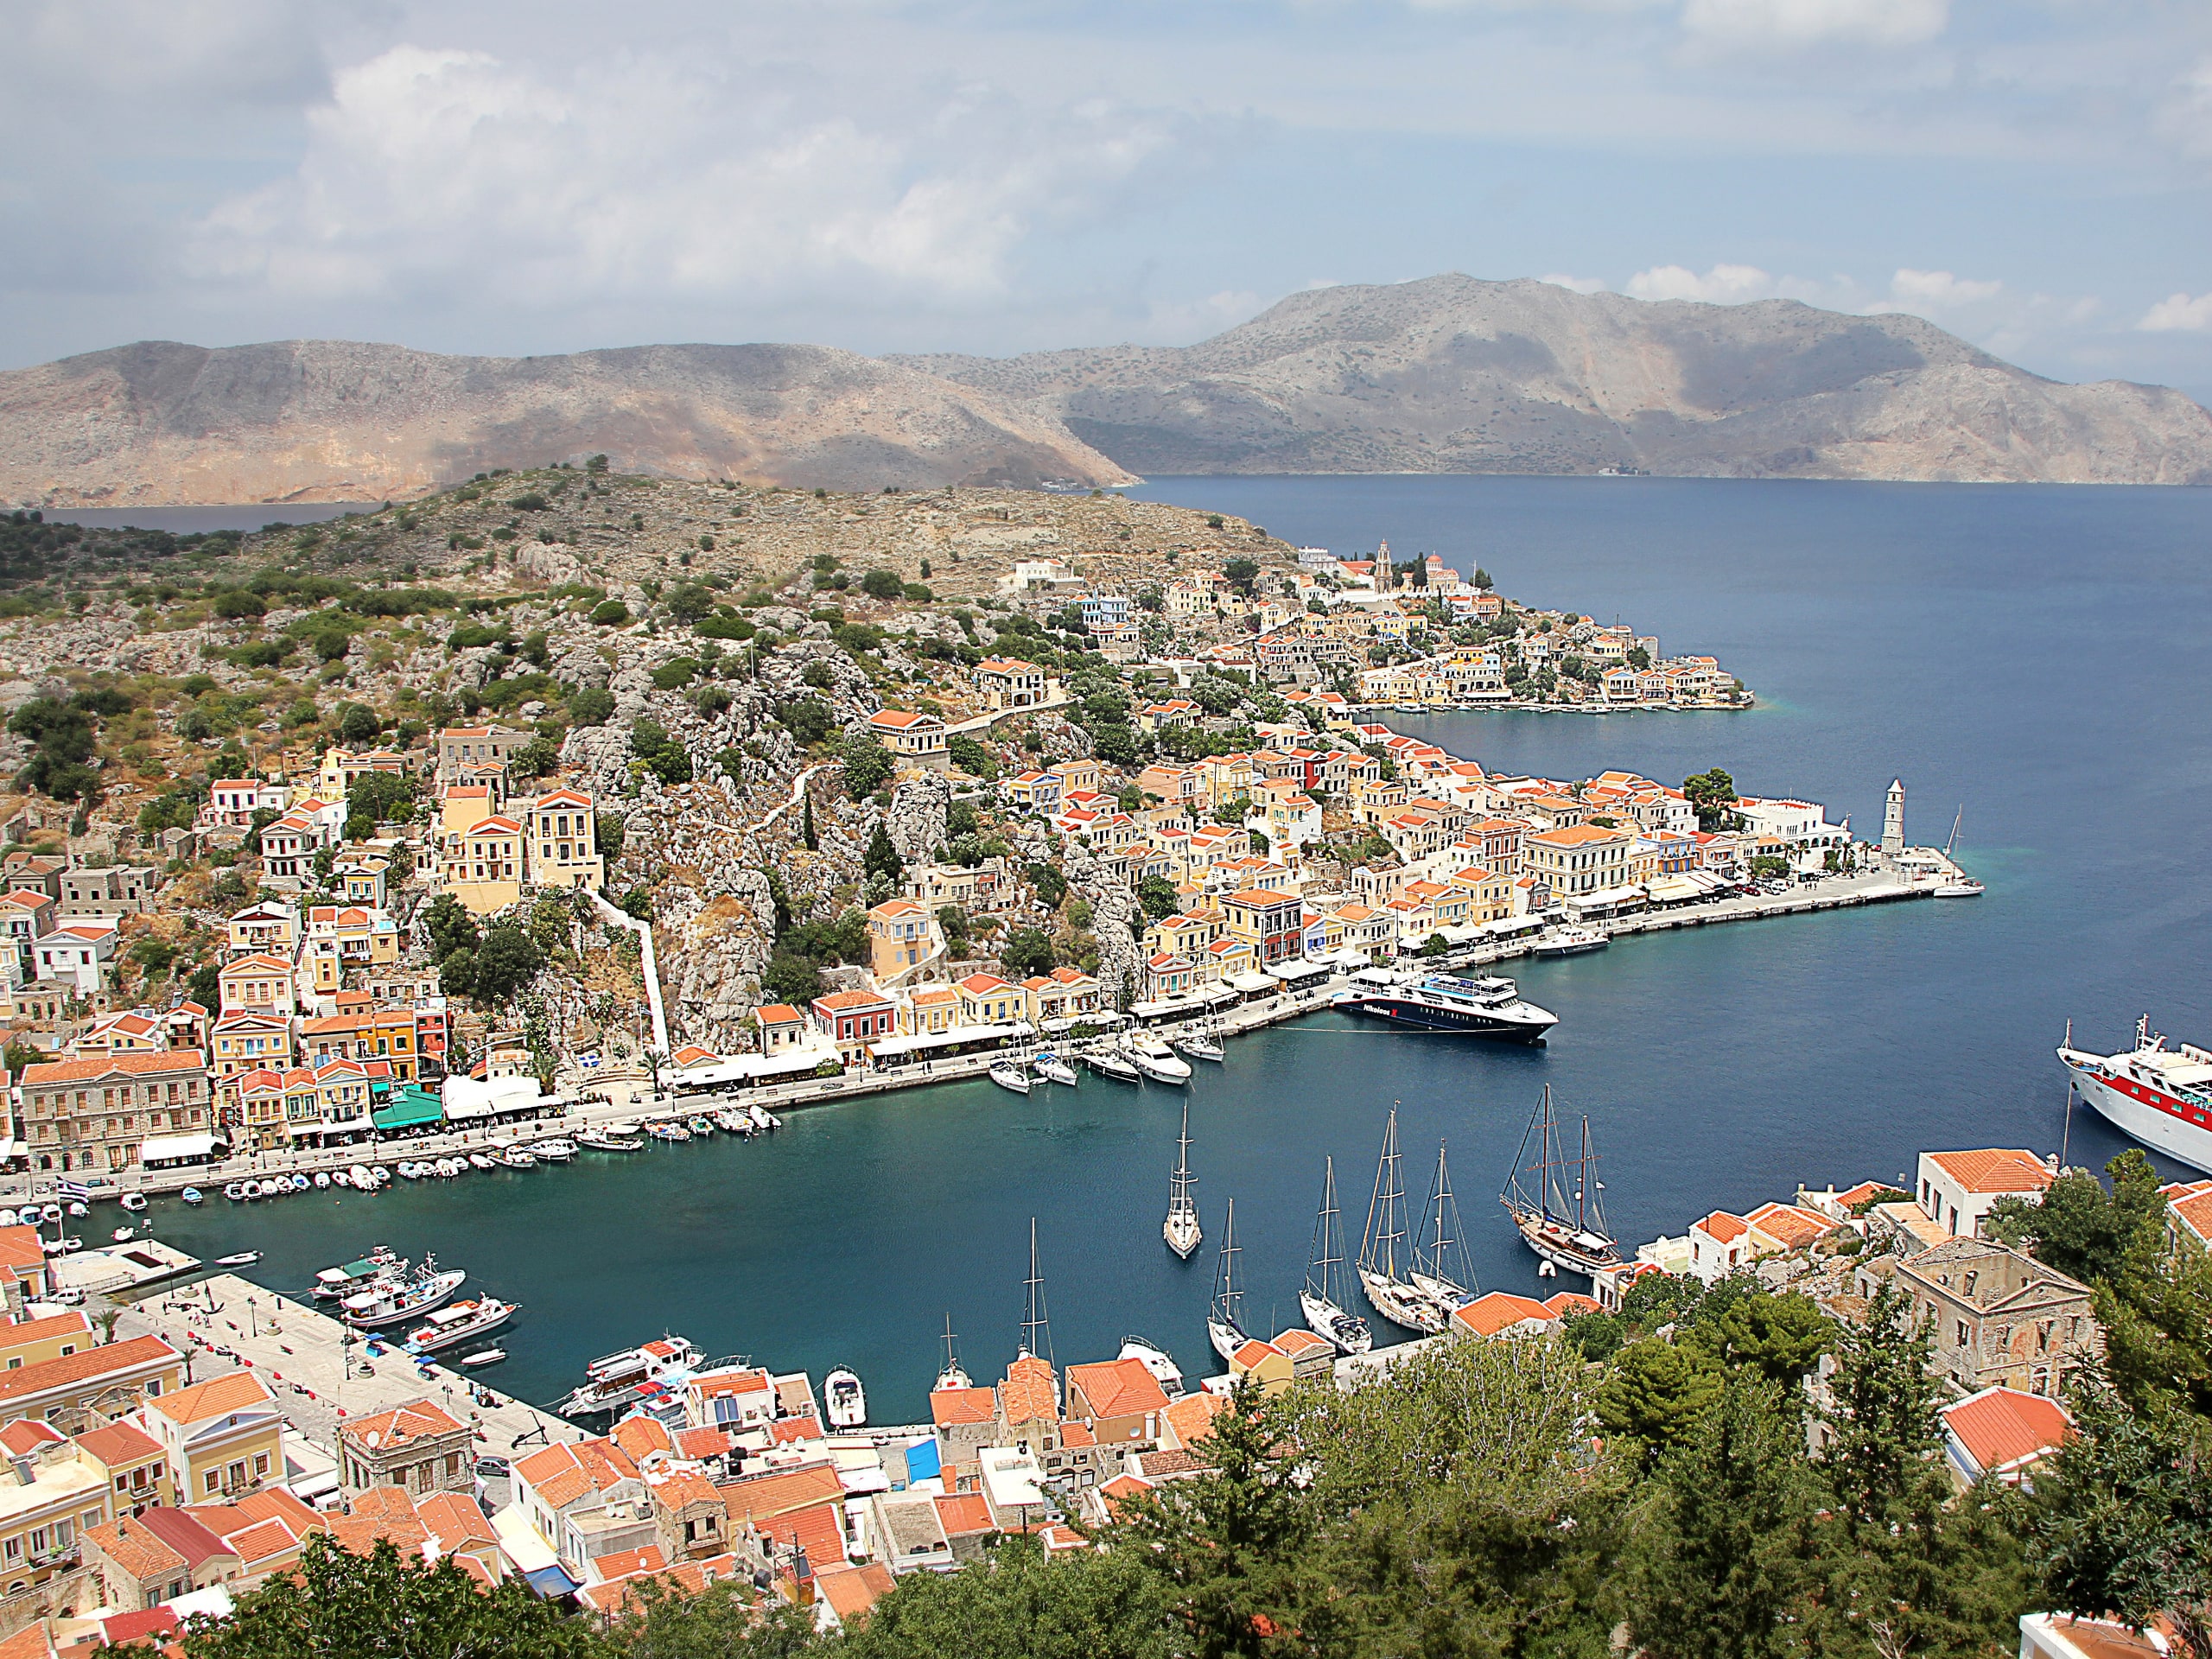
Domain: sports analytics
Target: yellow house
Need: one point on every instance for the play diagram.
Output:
(32, 1342)
(897, 937)
(929, 1011)
(987, 999)
(92, 1385)
(244, 1042)
(482, 867)
(365, 936)
(54, 1496)
(258, 984)
(563, 833)
(1489, 894)
(222, 1438)
(265, 927)
(1264, 1362)
(132, 1464)
(258, 1098)
(369, 1034)
(1183, 934)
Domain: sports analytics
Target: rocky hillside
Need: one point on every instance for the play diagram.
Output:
(159, 423)
(1454, 375)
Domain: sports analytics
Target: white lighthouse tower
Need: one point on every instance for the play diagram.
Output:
(1893, 821)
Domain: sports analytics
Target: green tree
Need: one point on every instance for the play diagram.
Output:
(379, 796)
(952, 922)
(882, 858)
(607, 828)
(1017, 1605)
(725, 1621)
(1052, 887)
(205, 988)
(357, 724)
(1027, 953)
(1241, 573)
(1782, 1336)
(506, 961)
(811, 840)
(883, 584)
(868, 766)
(610, 613)
(1712, 794)
(1657, 1392)
(971, 757)
(1157, 896)
(791, 977)
(450, 925)
(1721, 1568)
(590, 705)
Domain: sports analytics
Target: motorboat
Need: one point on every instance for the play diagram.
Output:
(1008, 1074)
(321, 1178)
(1155, 1359)
(234, 1190)
(1200, 1046)
(410, 1171)
(1224, 1328)
(517, 1157)
(556, 1151)
(459, 1322)
(484, 1356)
(1180, 1230)
(123, 1235)
(363, 1181)
(845, 1398)
(669, 1132)
(481, 1160)
(616, 1380)
(1322, 1297)
(1569, 941)
(78, 1211)
(335, 1284)
(732, 1121)
(1050, 1067)
(192, 1195)
(1107, 1063)
(379, 1174)
(68, 1246)
(607, 1141)
(50, 1212)
(762, 1118)
(1156, 1060)
(7, 1219)
(702, 1126)
(1964, 887)
(1382, 1264)
(400, 1299)
(133, 1203)
(238, 1259)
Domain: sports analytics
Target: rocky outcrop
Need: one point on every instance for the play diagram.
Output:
(160, 423)
(1113, 906)
(915, 820)
(1454, 375)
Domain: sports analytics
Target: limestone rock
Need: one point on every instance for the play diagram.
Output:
(916, 819)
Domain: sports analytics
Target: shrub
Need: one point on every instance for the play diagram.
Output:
(883, 584)
(590, 705)
(676, 673)
(610, 613)
(237, 603)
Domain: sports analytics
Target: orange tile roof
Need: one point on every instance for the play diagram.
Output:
(19, 1333)
(1792, 1227)
(949, 1407)
(683, 1489)
(838, 1001)
(1722, 1226)
(771, 1014)
(702, 1443)
(760, 1498)
(20, 1249)
(1027, 1393)
(1116, 1387)
(1999, 1169)
(217, 1397)
(26, 1435)
(1254, 1351)
(84, 1365)
(961, 1513)
(1501, 1310)
(1297, 1340)
(2003, 1428)
(852, 1591)
(134, 1549)
(417, 1419)
(1191, 1417)
(454, 1520)
(819, 1529)
(172, 1059)
(640, 1437)
(118, 1444)
(1571, 1301)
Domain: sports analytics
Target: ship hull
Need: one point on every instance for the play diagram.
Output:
(1401, 1304)
(1562, 1252)
(1469, 1022)
(2144, 1114)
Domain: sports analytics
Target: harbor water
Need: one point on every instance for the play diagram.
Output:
(2031, 661)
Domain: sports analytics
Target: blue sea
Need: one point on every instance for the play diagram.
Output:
(2033, 663)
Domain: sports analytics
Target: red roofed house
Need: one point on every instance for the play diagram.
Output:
(1119, 1399)
(853, 1019)
(419, 1447)
(96, 1114)
(917, 738)
(2004, 1434)
(2190, 1204)
(1500, 1314)
(222, 1436)
(1009, 682)
(1957, 1190)
(1719, 1244)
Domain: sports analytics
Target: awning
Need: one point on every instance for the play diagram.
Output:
(1297, 973)
(552, 1582)
(1253, 983)
(894, 1047)
(468, 1098)
(177, 1148)
(1675, 889)
(410, 1107)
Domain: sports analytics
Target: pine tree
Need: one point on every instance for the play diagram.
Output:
(806, 828)
(881, 857)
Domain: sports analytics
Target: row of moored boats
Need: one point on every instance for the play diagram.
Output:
(1138, 1057)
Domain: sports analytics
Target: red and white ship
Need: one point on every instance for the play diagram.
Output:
(2162, 1096)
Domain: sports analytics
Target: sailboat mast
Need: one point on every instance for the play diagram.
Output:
(1036, 1319)
(948, 1361)
(1226, 1295)
(1582, 1180)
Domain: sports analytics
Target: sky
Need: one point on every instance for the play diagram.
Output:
(1002, 175)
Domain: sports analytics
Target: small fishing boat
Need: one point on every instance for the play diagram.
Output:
(1570, 941)
(133, 1202)
(1107, 1063)
(735, 1122)
(702, 1126)
(50, 1212)
(844, 1398)
(363, 1181)
(555, 1151)
(335, 1284)
(1008, 1074)
(398, 1300)
(123, 1235)
(192, 1195)
(238, 1259)
(7, 1219)
(519, 1158)
(480, 1160)
(77, 1210)
(762, 1118)
(484, 1356)
(234, 1190)
(1200, 1046)
(607, 1141)
(1050, 1067)
(68, 1246)
(321, 1178)
(457, 1322)
(669, 1132)
(378, 1174)
(1156, 1060)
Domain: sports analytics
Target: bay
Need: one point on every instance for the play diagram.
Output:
(2035, 657)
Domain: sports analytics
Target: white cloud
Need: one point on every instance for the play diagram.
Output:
(1580, 285)
(2179, 313)
(1722, 285)
(1794, 24)
(446, 174)
(1935, 291)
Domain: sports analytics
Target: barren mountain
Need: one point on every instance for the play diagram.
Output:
(1454, 375)
(159, 423)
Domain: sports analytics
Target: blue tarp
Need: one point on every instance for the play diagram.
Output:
(552, 1583)
(922, 1462)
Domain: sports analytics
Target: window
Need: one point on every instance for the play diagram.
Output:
(261, 1465)
(211, 1480)
(14, 1550)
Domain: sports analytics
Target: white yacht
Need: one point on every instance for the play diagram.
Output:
(1569, 941)
(614, 1381)
(1181, 1228)
(1322, 1298)
(1200, 1046)
(1050, 1067)
(1381, 1261)
(845, 1398)
(1224, 1327)
(953, 1376)
(1155, 1359)
(1156, 1060)
(1008, 1074)
(1107, 1063)
(457, 1322)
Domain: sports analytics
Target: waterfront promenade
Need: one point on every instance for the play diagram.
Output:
(1830, 894)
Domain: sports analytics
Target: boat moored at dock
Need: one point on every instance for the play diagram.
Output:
(457, 1322)
(845, 1398)
(1181, 1228)
(401, 1297)
(614, 1381)
(1008, 1074)
(1474, 1007)
(1560, 1216)
(1151, 1056)
(1569, 941)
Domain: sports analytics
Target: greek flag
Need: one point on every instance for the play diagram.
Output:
(75, 1190)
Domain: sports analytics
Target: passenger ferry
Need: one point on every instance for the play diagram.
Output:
(2162, 1096)
(1475, 1007)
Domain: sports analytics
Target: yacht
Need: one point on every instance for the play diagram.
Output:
(1156, 1060)
(519, 1158)
(1569, 941)
(335, 1284)
(1181, 1228)
(556, 1151)
(1474, 1007)
(1322, 1299)
(1395, 1296)
(1223, 1328)
(2160, 1095)
(845, 1398)
(1008, 1074)
(1199, 1045)
(1050, 1067)
(1107, 1064)
(1559, 1216)
(458, 1322)
(1155, 1359)
(1441, 1270)
(397, 1300)
(619, 1379)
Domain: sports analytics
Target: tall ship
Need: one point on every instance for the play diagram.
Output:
(1181, 1228)
(1225, 1318)
(2160, 1095)
(1322, 1299)
(1558, 1208)
(1441, 1269)
(1384, 1258)
(1474, 1007)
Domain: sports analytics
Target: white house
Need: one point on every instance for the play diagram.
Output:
(1957, 1190)
(76, 954)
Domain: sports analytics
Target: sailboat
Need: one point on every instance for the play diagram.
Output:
(1382, 1242)
(1959, 884)
(1322, 1299)
(952, 1376)
(1223, 1328)
(1036, 1318)
(1441, 1269)
(1563, 1222)
(1181, 1228)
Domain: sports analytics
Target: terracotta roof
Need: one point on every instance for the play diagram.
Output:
(1297, 1340)
(1254, 1351)
(85, 1365)
(1499, 1311)
(789, 1431)
(702, 1443)
(1191, 1417)
(962, 1513)
(417, 1419)
(641, 1437)
(20, 1249)
(760, 1497)
(1028, 1392)
(838, 1001)
(17, 1332)
(217, 1397)
(135, 1548)
(1571, 1301)
(119, 1444)
(819, 1530)
(2000, 1169)
(454, 1519)
(770, 1014)
(135, 1065)
(683, 1489)
(851, 1591)
(26, 1435)
(949, 1407)
(623, 1562)
(1116, 1387)
(1793, 1227)
(1721, 1225)
(183, 1532)
(1119, 1490)
(2003, 1428)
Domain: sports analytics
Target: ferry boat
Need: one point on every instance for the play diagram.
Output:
(1321, 1300)
(1156, 1060)
(1155, 1359)
(1475, 1007)
(2161, 1096)
(457, 1322)
(845, 1398)
(1181, 1228)
(1561, 1218)
(400, 1299)
(1008, 1074)
(1224, 1328)
(335, 1284)
(614, 1381)
(1570, 941)
(1395, 1297)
